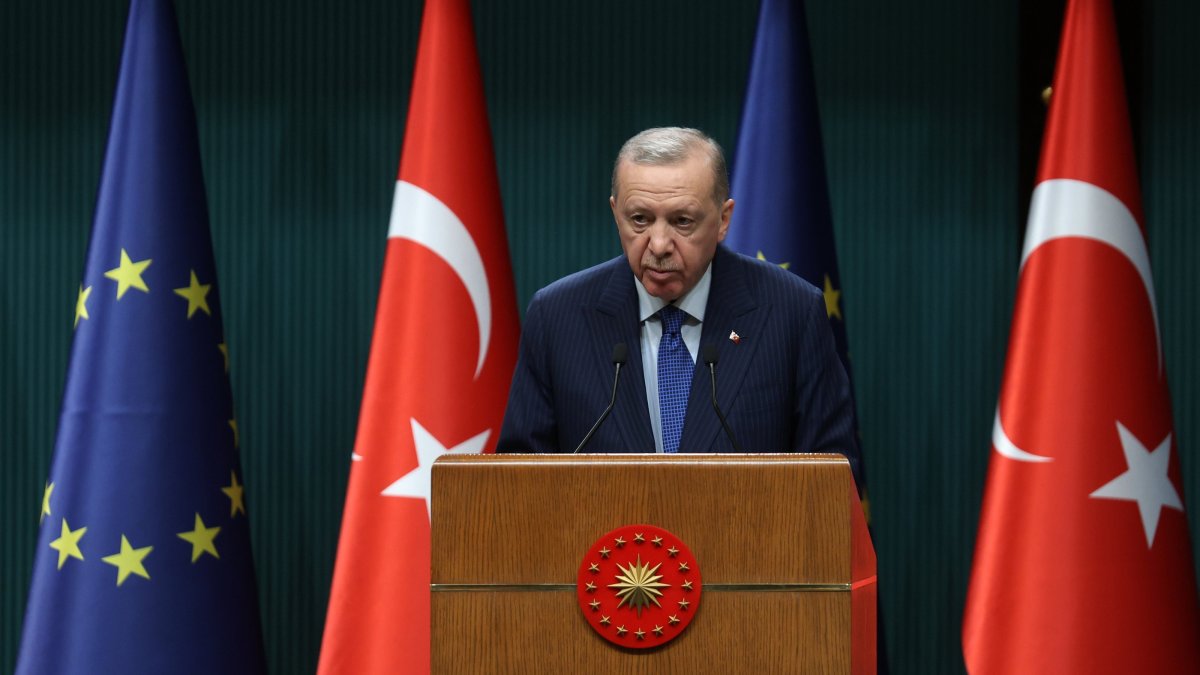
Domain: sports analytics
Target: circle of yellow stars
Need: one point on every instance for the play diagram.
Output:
(129, 560)
(128, 274)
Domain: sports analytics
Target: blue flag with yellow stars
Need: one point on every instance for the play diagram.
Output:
(143, 560)
(782, 209)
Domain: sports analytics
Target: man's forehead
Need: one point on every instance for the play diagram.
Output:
(675, 198)
(686, 175)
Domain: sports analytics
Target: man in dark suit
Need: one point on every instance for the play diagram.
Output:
(675, 292)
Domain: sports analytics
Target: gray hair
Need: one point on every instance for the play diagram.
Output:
(664, 146)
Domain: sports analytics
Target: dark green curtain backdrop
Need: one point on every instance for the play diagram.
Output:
(301, 106)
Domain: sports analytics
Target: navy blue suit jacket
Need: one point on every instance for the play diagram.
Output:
(781, 386)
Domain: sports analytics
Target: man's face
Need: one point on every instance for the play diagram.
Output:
(669, 223)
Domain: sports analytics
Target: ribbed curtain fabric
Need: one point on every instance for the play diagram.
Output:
(301, 109)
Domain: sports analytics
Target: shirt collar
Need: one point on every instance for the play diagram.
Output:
(692, 303)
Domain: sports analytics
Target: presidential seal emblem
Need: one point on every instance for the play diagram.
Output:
(639, 586)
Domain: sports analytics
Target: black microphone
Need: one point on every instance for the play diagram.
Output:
(620, 354)
(708, 352)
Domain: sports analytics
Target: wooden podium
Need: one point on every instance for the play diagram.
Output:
(787, 564)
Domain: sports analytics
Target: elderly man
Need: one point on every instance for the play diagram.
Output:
(677, 294)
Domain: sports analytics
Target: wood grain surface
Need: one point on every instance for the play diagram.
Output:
(521, 521)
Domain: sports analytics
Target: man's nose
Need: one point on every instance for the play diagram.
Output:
(661, 240)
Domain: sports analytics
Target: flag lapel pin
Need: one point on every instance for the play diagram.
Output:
(734, 337)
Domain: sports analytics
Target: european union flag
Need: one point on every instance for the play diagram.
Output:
(782, 213)
(143, 561)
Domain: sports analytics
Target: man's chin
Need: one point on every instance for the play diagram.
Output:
(665, 285)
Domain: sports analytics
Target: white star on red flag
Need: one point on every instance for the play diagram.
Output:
(1146, 482)
(1061, 583)
(443, 352)
(415, 483)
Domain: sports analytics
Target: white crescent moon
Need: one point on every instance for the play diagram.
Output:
(1063, 207)
(422, 218)
(1072, 208)
(1007, 448)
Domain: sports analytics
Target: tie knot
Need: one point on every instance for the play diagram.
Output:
(672, 318)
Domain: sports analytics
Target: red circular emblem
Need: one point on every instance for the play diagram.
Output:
(639, 586)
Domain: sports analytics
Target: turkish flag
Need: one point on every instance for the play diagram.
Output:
(1082, 563)
(442, 356)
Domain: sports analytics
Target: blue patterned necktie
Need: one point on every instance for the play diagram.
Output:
(674, 377)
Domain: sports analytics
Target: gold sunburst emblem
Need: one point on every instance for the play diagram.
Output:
(638, 585)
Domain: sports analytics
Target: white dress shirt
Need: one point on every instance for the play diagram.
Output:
(692, 304)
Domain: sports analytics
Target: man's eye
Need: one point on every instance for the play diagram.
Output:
(639, 219)
(684, 222)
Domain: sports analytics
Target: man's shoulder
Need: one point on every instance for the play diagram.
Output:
(583, 285)
(766, 279)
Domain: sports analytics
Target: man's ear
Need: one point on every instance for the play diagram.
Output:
(726, 214)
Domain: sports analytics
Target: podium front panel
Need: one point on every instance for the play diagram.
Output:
(771, 534)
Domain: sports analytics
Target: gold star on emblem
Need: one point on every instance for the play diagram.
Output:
(129, 274)
(67, 543)
(604, 621)
(201, 538)
(621, 630)
(641, 634)
(196, 294)
(832, 299)
(673, 619)
(657, 541)
(129, 561)
(683, 605)
(591, 588)
(604, 552)
(638, 538)
(686, 585)
(683, 567)
(235, 493)
(672, 551)
(658, 630)
(233, 425)
(620, 542)
(224, 348)
(593, 567)
(639, 585)
(595, 605)
(81, 304)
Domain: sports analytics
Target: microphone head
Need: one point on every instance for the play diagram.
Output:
(708, 353)
(620, 353)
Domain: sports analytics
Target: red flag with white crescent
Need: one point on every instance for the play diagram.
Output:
(1082, 562)
(442, 356)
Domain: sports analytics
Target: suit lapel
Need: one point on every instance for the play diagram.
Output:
(616, 320)
(731, 307)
